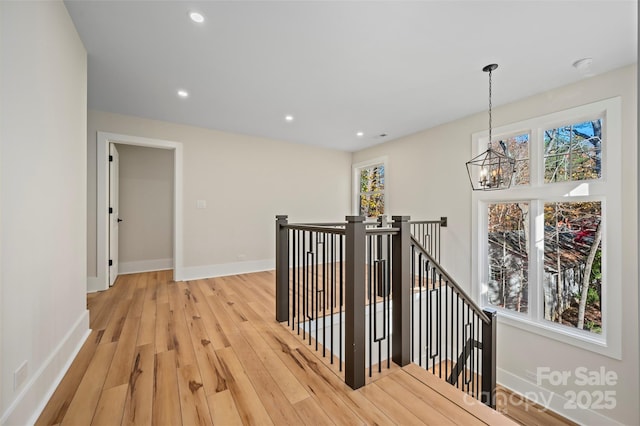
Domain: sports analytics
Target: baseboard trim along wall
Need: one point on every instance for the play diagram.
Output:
(211, 271)
(93, 285)
(554, 401)
(189, 272)
(32, 399)
(145, 266)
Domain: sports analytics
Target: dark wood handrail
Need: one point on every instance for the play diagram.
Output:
(463, 294)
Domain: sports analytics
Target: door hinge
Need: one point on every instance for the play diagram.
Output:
(110, 158)
(110, 210)
(110, 262)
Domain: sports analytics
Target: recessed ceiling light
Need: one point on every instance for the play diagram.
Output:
(196, 17)
(183, 93)
(359, 134)
(584, 66)
(288, 118)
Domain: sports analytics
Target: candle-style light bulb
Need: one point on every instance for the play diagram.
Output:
(483, 176)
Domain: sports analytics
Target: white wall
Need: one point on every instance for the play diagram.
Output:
(43, 196)
(146, 208)
(426, 178)
(245, 182)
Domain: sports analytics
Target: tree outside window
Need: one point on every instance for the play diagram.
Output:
(508, 236)
(516, 147)
(573, 152)
(573, 264)
(371, 191)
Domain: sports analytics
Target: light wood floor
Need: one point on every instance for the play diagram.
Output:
(211, 352)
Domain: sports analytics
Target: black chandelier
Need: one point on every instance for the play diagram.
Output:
(492, 169)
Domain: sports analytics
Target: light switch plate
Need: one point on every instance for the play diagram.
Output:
(201, 204)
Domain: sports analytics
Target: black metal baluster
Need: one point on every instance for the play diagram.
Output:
(457, 334)
(420, 311)
(388, 291)
(294, 282)
(447, 290)
(412, 269)
(439, 324)
(322, 266)
(332, 298)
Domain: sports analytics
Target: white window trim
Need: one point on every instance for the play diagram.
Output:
(607, 190)
(355, 184)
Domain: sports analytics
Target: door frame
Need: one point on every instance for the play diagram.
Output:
(102, 220)
(114, 212)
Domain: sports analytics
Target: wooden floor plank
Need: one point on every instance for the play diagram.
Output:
(390, 406)
(138, 409)
(193, 401)
(165, 390)
(247, 400)
(197, 308)
(527, 412)
(282, 376)
(310, 409)
(322, 384)
(419, 402)
(179, 331)
(442, 406)
(110, 406)
(117, 319)
(83, 405)
(273, 399)
(162, 337)
(210, 352)
(123, 358)
(462, 400)
(223, 409)
(147, 330)
(57, 407)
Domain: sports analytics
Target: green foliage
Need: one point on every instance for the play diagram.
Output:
(592, 296)
(593, 327)
(372, 191)
(596, 268)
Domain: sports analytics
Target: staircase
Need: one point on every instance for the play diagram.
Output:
(372, 296)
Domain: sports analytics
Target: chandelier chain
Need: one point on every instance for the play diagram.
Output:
(490, 106)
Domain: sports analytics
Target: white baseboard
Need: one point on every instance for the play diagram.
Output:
(210, 271)
(144, 266)
(551, 400)
(93, 285)
(32, 399)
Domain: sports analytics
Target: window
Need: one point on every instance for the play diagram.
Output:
(516, 147)
(573, 152)
(508, 255)
(547, 250)
(370, 183)
(573, 264)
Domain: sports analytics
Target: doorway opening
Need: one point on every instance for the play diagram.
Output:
(104, 140)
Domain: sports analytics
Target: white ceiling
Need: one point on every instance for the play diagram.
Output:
(339, 67)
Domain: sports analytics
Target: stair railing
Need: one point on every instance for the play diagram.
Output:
(451, 335)
(366, 293)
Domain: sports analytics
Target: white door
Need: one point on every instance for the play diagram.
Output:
(114, 212)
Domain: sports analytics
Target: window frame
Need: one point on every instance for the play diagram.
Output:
(356, 168)
(606, 189)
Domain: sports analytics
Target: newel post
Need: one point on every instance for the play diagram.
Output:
(489, 358)
(282, 269)
(401, 290)
(354, 333)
